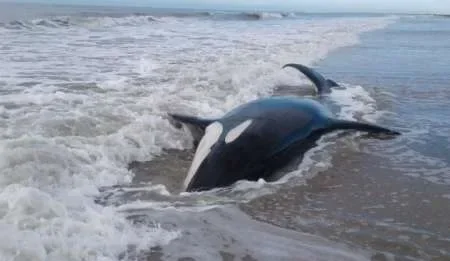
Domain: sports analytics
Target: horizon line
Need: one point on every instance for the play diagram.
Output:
(221, 8)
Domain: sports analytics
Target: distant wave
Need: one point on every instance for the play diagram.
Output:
(58, 22)
(263, 15)
(252, 15)
(223, 15)
(49, 22)
(443, 15)
(135, 19)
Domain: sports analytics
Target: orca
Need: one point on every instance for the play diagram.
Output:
(257, 138)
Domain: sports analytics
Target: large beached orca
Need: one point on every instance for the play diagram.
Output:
(258, 138)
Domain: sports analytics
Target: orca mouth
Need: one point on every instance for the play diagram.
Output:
(215, 155)
(221, 168)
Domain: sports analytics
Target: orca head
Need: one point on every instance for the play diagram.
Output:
(216, 158)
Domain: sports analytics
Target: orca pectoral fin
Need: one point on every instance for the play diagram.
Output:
(323, 85)
(360, 126)
(195, 125)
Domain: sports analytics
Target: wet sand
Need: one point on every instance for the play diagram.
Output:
(359, 201)
(168, 169)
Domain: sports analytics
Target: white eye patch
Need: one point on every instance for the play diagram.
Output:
(233, 134)
(212, 134)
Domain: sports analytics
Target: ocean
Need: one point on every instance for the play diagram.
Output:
(91, 167)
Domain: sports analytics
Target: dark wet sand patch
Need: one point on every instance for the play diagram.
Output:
(229, 234)
(305, 90)
(157, 255)
(168, 169)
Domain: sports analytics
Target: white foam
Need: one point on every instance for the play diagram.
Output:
(355, 101)
(81, 102)
(40, 228)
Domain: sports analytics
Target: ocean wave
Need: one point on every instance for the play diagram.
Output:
(223, 15)
(62, 22)
(442, 15)
(136, 19)
(55, 22)
(262, 15)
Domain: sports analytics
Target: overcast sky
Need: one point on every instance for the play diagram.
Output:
(439, 6)
(340, 5)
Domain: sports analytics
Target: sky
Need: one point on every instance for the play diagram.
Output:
(403, 6)
(342, 5)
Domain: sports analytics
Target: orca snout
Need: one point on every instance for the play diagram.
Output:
(201, 173)
(221, 157)
(209, 173)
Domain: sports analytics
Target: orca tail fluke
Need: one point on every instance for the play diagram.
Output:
(360, 126)
(323, 85)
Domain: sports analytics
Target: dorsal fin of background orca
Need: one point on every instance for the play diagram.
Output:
(323, 85)
(195, 125)
(360, 126)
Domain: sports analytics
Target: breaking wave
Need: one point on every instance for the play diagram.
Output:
(135, 19)
(59, 22)
(264, 15)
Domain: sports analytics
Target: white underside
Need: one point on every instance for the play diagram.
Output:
(233, 134)
(212, 134)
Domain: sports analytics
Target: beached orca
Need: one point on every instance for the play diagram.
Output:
(323, 85)
(258, 138)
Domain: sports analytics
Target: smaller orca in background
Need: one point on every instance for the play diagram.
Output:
(323, 85)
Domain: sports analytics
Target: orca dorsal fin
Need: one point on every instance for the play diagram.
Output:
(332, 83)
(323, 85)
(195, 125)
(359, 126)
